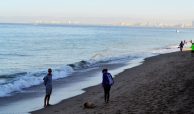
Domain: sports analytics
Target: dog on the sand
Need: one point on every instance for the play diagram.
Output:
(89, 105)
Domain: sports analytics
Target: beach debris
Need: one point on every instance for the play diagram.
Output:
(89, 105)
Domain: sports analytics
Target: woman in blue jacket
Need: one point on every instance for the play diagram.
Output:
(107, 82)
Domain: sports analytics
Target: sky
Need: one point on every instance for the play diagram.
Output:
(96, 11)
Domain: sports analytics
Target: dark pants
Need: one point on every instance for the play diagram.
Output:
(106, 93)
(47, 96)
(181, 48)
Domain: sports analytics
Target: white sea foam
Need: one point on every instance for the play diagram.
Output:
(31, 79)
(168, 49)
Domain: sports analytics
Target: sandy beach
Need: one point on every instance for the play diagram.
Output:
(163, 84)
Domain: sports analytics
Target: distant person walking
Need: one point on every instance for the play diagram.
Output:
(48, 84)
(181, 46)
(107, 82)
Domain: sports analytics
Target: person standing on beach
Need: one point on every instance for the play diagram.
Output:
(107, 82)
(181, 46)
(48, 84)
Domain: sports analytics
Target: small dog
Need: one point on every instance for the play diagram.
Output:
(89, 105)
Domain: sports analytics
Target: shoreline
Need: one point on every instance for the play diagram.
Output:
(151, 87)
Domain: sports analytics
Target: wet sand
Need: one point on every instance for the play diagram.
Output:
(162, 84)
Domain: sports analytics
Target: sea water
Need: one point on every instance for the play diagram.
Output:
(28, 50)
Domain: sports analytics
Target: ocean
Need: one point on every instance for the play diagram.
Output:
(28, 50)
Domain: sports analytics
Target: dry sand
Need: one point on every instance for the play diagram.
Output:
(163, 84)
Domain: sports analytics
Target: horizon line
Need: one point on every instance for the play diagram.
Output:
(84, 24)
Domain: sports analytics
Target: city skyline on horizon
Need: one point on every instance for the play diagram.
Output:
(99, 21)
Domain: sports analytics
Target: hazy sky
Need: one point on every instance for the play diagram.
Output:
(96, 10)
